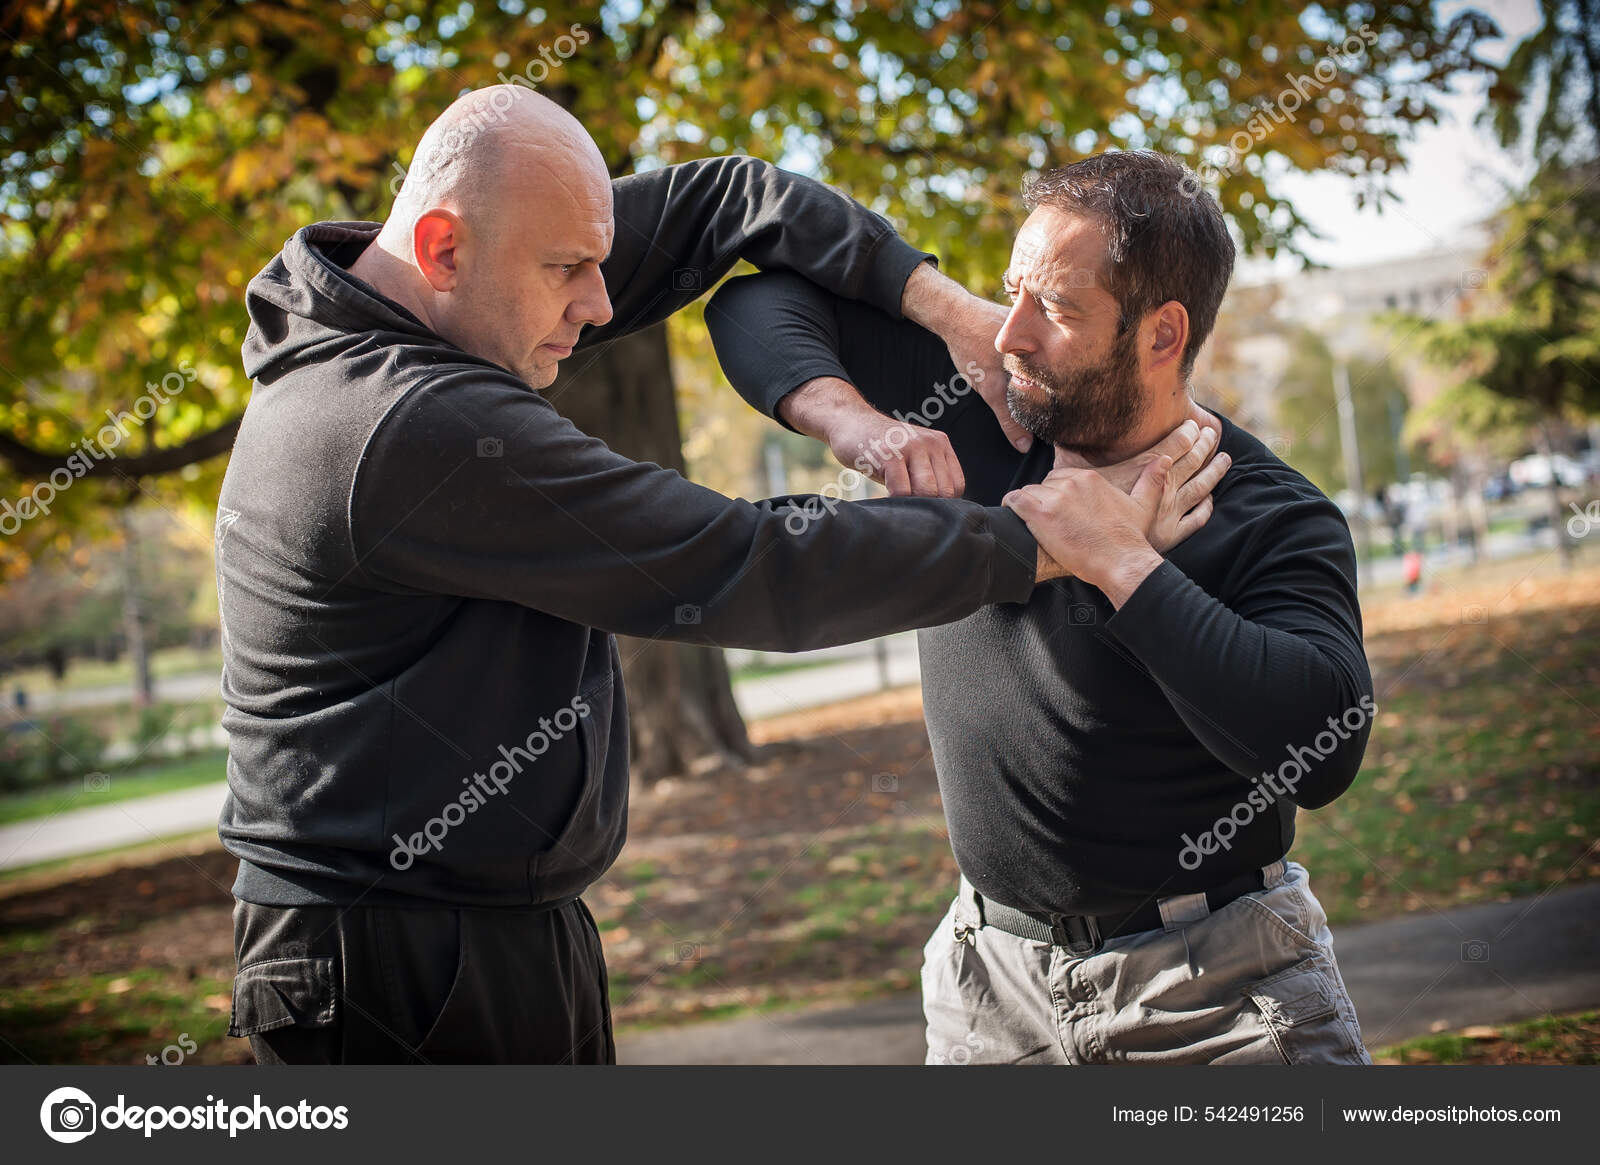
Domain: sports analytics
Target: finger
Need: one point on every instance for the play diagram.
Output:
(953, 471)
(1178, 442)
(924, 477)
(1194, 519)
(1024, 503)
(1202, 483)
(1185, 467)
(934, 468)
(1152, 484)
(897, 477)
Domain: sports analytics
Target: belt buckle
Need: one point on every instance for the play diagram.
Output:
(1078, 933)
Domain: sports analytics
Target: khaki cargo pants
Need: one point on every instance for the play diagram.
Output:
(1253, 983)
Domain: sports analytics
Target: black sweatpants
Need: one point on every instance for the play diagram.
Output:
(425, 985)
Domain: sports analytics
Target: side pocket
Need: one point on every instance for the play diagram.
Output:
(1300, 1008)
(279, 992)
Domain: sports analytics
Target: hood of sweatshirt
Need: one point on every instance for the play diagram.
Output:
(306, 297)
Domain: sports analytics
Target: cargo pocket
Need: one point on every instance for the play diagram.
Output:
(278, 993)
(1300, 1008)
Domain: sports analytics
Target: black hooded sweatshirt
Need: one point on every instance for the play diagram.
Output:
(421, 564)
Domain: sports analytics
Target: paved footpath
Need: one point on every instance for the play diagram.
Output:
(1488, 964)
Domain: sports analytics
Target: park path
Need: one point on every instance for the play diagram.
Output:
(143, 819)
(1494, 963)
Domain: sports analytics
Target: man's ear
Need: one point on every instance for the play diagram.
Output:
(435, 245)
(1168, 335)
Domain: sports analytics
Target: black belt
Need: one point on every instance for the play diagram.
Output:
(1084, 934)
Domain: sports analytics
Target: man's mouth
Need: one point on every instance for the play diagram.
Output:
(1023, 384)
(559, 351)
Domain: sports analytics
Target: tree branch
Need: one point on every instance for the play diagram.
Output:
(30, 462)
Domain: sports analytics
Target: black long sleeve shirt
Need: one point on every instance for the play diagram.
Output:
(420, 564)
(1087, 756)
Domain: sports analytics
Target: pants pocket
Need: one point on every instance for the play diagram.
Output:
(276, 993)
(1300, 1008)
(440, 1030)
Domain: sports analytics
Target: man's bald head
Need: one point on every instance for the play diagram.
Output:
(487, 142)
(497, 234)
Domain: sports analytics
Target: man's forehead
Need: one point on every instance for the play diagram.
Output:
(1053, 244)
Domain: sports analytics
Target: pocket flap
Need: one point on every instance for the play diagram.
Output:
(279, 992)
(1294, 996)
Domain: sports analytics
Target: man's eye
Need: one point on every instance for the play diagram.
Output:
(566, 268)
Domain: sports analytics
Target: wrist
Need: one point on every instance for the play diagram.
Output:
(819, 406)
(1123, 576)
(931, 297)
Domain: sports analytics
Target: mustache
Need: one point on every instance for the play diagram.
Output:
(1016, 368)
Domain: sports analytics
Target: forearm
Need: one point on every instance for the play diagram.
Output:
(680, 229)
(779, 337)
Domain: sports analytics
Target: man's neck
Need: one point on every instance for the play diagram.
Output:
(1164, 415)
(389, 276)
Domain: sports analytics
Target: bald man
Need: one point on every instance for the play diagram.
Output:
(421, 565)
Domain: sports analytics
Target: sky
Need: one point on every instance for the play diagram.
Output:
(1454, 177)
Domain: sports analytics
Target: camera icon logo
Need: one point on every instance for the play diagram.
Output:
(687, 614)
(67, 1115)
(885, 783)
(491, 447)
(96, 782)
(1081, 615)
(1475, 614)
(1475, 950)
(1474, 279)
(687, 279)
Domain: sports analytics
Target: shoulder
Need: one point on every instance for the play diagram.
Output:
(1261, 489)
(1269, 522)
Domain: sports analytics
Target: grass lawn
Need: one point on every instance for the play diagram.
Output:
(94, 673)
(1558, 1039)
(107, 788)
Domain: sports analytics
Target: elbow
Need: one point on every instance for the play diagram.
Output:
(1330, 754)
(1325, 773)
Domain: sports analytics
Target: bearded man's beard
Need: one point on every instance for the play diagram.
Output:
(1087, 410)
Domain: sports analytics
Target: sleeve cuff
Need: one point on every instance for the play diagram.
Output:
(888, 267)
(1016, 557)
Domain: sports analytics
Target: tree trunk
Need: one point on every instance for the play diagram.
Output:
(1558, 514)
(680, 699)
(133, 620)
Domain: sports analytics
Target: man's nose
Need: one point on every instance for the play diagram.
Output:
(1012, 339)
(593, 305)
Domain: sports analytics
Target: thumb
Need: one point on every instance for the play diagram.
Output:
(1022, 501)
(1152, 483)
